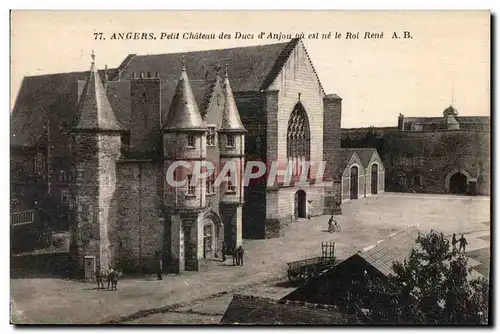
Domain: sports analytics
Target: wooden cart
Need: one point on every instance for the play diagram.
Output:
(303, 270)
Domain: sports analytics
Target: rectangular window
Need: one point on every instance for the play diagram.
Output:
(211, 183)
(190, 187)
(211, 136)
(191, 140)
(230, 140)
(24, 217)
(64, 197)
(230, 186)
(39, 164)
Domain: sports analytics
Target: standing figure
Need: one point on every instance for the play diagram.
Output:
(454, 242)
(223, 250)
(239, 255)
(235, 257)
(113, 279)
(463, 243)
(98, 277)
(160, 266)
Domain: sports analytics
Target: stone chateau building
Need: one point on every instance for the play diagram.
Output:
(100, 142)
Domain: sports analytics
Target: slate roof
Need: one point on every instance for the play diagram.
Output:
(54, 97)
(231, 121)
(396, 247)
(184, 112)
(424, 120)
(251, 68)
(473, 119)
(364, 154)
(94, 109)
(440, 120)
(256, 310)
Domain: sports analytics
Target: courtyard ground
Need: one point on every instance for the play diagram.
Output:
(202, 297)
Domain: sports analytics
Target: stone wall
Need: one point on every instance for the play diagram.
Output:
(139, 230)
(145, 115)
(432, 156)
(280, 207)
(296, 82)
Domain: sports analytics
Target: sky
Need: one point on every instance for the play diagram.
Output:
(447, 60)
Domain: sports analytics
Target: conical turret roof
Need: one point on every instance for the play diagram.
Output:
(450, 111)
(94, 109)
(231, 121)
(184, 113)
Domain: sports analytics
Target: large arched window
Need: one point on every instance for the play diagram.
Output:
(298, 139)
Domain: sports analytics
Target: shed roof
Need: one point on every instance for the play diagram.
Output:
(396, 247)
(257, 310)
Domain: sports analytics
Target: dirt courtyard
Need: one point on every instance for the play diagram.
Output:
(202, 297)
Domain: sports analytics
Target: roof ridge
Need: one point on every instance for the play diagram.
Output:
(314, 70)
(390, 236)
(279, 63)
(206, 50)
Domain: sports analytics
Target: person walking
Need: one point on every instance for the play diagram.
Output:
(235, 257)
(160, 268)
(463, 243)
(98, 277)
(454, 242)
(224, 250)
(239, 254)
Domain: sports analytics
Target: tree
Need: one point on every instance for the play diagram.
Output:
(430, 287)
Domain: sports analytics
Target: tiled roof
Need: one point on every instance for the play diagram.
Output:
(396, 247)
(251, 68)
(256, 310)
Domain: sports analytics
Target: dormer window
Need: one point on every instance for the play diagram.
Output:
(211, 136)
(230, 140)
(191, 140)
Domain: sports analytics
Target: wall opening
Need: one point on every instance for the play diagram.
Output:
(374, 187)
(458, 184)
(354, 183)
(209, 238)
(300, 204)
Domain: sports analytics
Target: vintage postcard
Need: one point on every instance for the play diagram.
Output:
(257, 167)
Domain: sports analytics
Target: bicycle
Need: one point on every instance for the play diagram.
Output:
(334, 228)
